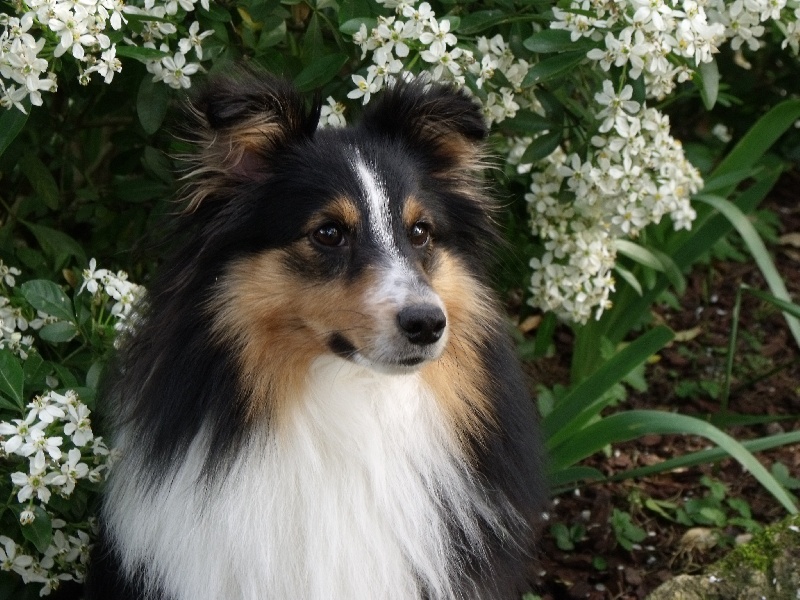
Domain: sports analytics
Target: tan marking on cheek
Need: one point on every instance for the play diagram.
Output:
(459, 379)
(279, 322)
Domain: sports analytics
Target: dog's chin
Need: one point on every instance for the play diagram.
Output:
(400, 367)
(402, 361)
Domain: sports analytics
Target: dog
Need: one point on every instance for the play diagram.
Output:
(319, 398)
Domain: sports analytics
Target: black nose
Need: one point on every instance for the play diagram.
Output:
(422, 324)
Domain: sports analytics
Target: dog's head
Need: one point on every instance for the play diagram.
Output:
(368, 242)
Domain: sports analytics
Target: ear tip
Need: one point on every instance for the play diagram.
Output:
(405, 103)
(242, 91)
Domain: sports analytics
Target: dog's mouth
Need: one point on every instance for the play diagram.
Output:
(406, 357)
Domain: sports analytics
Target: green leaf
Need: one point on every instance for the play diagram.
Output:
(139, 190)
(313, 43)
(526, 122)
(585, 401)
(542, 146)
(319, 72)
(36, 369)
(789, 307)
(480, 20)
(629, 278)
(11, 123)
(46, 296)
(755, 143)
(352, 26)
(759, 252)
(549, 41)
(152, 102)
(216, 12)
(94, 373)
(56, 245)
(564, 536)
(40, 178)
(629, 425)
(566, 478)
(638, 253)
(65, 376)
(553, 67)
(40, 532)
(58, 332)
(272, 33)
(354, 10)
(143, 55)
(626, 532)
(709, 83)
(654, 259)
(12, 377)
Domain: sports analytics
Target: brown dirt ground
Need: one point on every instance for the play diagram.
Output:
(765, 344)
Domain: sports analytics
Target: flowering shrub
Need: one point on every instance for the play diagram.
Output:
(53, 462)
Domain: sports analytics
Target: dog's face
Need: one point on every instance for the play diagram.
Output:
(366, 243)
(365, 274)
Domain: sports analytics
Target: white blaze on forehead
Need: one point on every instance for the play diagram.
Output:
(380, 217)
(399, 280)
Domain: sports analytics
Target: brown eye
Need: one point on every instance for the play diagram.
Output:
(330, 235)
(419, 235)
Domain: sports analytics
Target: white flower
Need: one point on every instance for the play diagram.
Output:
(32, 483)
(39, 444)
(438, 37)
(108, 64)
(332, 114)
(365, 87)
(44, 410)
(20, 432)
(176, 71)
(71, 470)
(614, 104)
(194, 41)
(8, 274)
(80, 426)
(10, 560)
(392, 35)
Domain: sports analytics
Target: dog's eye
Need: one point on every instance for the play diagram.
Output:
(419, 235)
(330, 235)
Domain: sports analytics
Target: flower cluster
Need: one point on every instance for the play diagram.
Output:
(14, 324)
(414, 33)
(174, 68)
(51, 450)
(665, 40)
(112, 289)
(44, 31)
(503, 102)
(394, 38)
(634, 174)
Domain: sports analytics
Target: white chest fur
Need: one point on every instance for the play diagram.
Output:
(344, 502)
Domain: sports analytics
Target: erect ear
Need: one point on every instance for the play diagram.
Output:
(241, 121)
(438, 119)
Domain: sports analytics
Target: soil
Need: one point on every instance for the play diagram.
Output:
(686, 378)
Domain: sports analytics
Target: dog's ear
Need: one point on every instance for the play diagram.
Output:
(442, 121)
(242, 120)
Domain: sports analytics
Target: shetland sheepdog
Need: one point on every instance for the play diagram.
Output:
(319, 399)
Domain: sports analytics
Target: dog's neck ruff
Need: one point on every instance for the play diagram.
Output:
(361, 492)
